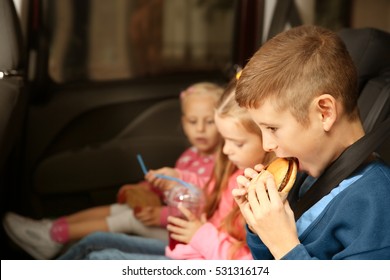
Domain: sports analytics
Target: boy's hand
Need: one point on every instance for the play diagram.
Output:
(243, 181)
(149, 216)
(184, 229)
(271, 218)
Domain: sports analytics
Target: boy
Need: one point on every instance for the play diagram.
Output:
(301, 89)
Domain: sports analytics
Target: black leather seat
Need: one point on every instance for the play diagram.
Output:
(89, 168)
(370, 50)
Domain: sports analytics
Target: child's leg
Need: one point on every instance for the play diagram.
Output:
(43, 239)
(89, 214)
(33, 236)
(114, 218)
(103, 240)
(78, 230)
(80, 224)
(123, 220)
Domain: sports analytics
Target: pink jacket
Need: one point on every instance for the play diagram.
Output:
(209, 243)
(199, 167)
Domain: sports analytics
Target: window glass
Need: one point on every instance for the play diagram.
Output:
(121, 39)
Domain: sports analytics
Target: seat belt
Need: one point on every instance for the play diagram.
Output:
(378, 107)
(353, 157)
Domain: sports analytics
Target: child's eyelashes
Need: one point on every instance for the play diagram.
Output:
(270, 128)
(194, 122)
(238, 144)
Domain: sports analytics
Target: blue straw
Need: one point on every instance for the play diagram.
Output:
(142, 164)
(181, 182)
(177, 180)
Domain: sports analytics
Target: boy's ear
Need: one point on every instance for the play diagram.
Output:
(326, 105)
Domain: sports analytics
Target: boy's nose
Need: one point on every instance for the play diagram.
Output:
(268, 144)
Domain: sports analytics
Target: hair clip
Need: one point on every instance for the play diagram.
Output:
(238, 75)
(186, 91)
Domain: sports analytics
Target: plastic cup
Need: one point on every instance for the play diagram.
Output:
(190, 198)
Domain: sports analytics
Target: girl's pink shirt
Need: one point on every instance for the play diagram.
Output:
(190, 160)
(210, 243)
(200, 166)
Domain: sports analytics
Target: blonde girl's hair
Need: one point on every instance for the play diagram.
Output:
(206, 88)
(224, 169)
(227, 106)
(296, 66)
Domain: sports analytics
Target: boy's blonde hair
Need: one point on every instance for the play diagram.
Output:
(296, 66)
(207, 88)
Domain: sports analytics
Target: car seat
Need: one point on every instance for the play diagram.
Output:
(370, 50)
(156, 134)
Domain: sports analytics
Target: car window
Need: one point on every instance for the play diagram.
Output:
(108, 40)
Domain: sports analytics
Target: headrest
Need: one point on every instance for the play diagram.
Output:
(11, 37)
(369, 49)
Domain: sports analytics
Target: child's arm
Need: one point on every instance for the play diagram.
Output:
(219, 244)
(152, 215)
(194, 231)
(240, 194)
(184, 229)
(193, 178)
(267, 215)
(162, 184)
(149, 216)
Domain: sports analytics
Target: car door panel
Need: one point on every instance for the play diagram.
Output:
(13, 97)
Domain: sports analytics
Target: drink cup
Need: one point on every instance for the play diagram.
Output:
(190, 198)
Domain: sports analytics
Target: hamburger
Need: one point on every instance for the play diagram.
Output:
(284, 171)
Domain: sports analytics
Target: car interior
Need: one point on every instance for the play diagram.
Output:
(76, 110)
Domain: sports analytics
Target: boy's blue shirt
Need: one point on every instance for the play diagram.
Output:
(355, 223)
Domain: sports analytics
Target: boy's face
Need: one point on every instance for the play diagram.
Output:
(289, 138)
(198, 123)
(244, 149)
